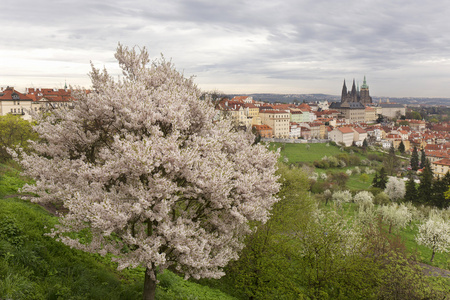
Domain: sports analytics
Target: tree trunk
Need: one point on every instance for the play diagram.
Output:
(149, 285)
(432, 256)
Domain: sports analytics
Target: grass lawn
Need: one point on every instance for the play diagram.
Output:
(305, 152)
(441, 260)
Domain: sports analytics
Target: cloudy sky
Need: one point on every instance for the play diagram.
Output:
(276, 46)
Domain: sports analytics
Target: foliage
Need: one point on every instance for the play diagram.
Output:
(142, 169)
(410, 189)
(426, 185)
(414, 159)
(401, 147)
(364, 200)
(14, 132)
(262, 271)
(439, 188)
(395, 215)
(380, 180)
(391, 162)
(395, 188)
(435, 234)
(341, 197)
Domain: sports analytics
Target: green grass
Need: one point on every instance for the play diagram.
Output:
(35, 266)
(441, 260)
(305, 152)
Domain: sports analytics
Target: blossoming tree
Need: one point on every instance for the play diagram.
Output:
(395, 188)
(435, 234)
(146, 175)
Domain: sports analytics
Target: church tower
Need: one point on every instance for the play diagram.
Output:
(356, 95)
(364, 93)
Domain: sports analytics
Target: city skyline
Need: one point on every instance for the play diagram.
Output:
(286, 47)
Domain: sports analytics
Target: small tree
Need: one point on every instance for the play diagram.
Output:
(147, 176)
(340, 197)
(395, 215)
(395, 188)
(14, 132)
(434, 234)
(364, 200)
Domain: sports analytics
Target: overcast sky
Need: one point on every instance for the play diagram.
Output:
(276, 46)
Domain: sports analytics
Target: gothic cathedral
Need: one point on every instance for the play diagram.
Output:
(356, 95)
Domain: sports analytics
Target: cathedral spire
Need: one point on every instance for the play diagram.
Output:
(344, 89)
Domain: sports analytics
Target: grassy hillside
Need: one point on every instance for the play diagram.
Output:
(34, 266)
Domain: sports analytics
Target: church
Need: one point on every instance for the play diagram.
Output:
(353, 103)
(356, 95)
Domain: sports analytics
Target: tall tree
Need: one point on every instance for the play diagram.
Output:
(415, 159)
(425, 189)
(401, 147)
(440, 187)
(423, 158)
(382, 179)
(391, 161)
(145, 172)
(411, 190)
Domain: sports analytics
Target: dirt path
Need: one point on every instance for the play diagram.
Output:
(434, 271)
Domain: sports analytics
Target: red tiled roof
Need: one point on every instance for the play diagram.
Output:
(345, 129)
(7, 94)
(445, 162)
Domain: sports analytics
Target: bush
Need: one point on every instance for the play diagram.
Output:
(382, 199)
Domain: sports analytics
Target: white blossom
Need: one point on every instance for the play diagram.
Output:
(395, 188)
(141, 164)
(340, 197)
(395, 215)
(435, 234)
(364, 200)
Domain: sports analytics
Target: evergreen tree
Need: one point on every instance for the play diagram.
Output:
(391, 161)
(401, 147)
(415, 159)
(365, 144)
(423, 158)
(424, 191)
(375, 180)
(440, 186)
(411, 190)
(382, 179)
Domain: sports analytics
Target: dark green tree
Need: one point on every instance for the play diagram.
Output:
(401, 147)
(411, 190)
(424, 191)
(423, 158)
(440, 186)
(365, 144)
(380, 180)
(415, 159)
(375, 180)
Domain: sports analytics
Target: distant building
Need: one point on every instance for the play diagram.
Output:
(15, 103)
(356, 95)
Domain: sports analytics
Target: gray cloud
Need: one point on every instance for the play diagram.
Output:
(295, 45)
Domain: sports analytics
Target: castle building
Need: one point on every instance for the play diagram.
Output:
(356, 94)
(353, 103)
